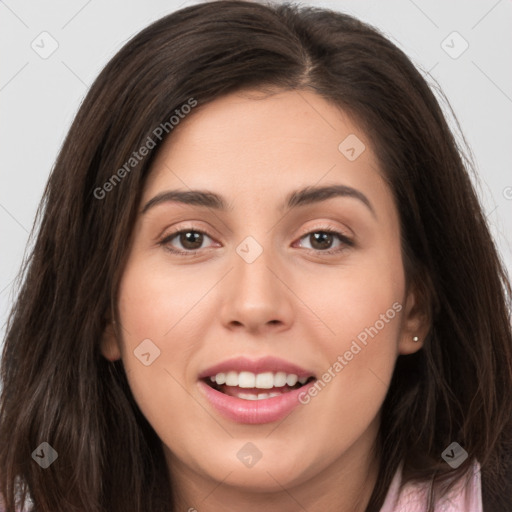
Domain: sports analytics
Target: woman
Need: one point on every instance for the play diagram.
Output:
(261, 280)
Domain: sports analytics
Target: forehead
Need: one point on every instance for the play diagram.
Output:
(248, 143)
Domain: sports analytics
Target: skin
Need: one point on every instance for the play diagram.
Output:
(292, 302)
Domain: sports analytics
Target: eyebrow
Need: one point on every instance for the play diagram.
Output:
(295, 199)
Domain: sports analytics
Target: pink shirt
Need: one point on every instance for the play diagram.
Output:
(466, 495)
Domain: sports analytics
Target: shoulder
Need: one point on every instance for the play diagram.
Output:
(464, 495)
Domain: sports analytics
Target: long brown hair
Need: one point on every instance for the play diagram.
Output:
(57, 387)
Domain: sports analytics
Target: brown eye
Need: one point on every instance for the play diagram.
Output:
(322, 240)
(190, 240)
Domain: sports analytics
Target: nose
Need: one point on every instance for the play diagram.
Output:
(257, 296)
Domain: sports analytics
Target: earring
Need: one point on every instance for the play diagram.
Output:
(415, 339)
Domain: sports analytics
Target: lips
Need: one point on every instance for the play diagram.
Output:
(248, 391)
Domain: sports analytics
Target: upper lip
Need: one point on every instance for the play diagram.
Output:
(262, 365)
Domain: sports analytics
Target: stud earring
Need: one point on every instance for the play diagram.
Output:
(415, 339)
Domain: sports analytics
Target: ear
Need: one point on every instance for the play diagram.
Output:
(415, 322)
(109, 344)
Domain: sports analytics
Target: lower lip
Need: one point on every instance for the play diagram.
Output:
(266, 410)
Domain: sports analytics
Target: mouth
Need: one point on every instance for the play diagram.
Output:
(250, 386)
(253, 391)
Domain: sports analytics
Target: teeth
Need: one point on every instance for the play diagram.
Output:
(279, 379)
(232, 379)
(247, 396)
(267, 380)
(291, 380)
(246, 380)
(264, 380)
(259, 396)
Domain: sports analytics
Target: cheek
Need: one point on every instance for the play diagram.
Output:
(359, 362)
(360, 301)
(363, 347)
(156, 308)
(153, 301)
(361, 304)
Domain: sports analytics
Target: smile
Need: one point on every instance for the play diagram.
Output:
(255, 392)
(250, 386)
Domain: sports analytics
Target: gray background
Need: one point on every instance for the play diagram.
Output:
(40, 96)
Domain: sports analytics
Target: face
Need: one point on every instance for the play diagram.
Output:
(277, 282)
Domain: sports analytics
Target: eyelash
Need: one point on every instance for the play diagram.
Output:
(342, 238)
